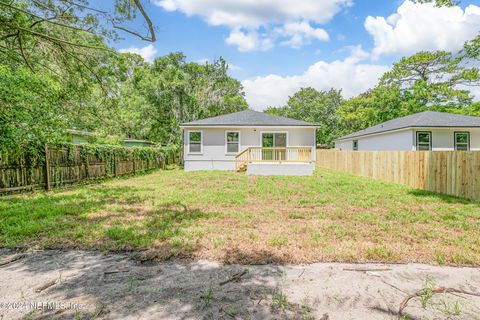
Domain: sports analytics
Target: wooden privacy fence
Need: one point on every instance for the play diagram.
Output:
(61, 166)
(450, 172)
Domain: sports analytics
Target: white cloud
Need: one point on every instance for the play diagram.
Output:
(234, 67)
(300, 32)
(415, 27)
(291, 23)
(147, 53)
(350, 75)
(249, 41)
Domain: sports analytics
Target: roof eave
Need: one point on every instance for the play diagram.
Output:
(248, 125)
(399, 129)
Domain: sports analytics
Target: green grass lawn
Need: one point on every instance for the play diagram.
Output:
(236, 218)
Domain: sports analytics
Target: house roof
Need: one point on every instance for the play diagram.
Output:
(248, 118)
(425, 119)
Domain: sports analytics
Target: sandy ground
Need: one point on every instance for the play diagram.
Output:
(94, 285)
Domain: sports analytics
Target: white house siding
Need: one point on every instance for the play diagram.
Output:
(395, 140)
(442, 140)
(214, 155)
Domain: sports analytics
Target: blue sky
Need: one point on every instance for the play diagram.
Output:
(277, 46)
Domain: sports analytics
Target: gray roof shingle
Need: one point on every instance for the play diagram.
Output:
(423, 119)
(248, 118)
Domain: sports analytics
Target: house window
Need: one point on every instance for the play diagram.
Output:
(273, 144)
(424, 140)
(355, 145)
(274, 139)
(195, 141)
(462, 141)
(232, 141)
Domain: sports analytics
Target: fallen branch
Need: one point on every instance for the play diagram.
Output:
(405, 301)
(236, 277)
(115, 271)
(45, 286)
(13, 259)
(301, 274)
(366, 270)
(393, 286)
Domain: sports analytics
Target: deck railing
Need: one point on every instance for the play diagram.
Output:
(261, 154)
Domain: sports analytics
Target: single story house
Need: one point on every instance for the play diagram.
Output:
(423, 131)
(259, 143)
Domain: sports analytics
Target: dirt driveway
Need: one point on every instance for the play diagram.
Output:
(94, 285)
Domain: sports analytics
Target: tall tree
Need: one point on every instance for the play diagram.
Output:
(314, 106)
(430, 80)
(180, 91)
(30, 109)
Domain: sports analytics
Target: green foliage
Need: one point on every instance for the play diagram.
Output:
(440, 3)
(59, 73)
(31, 111)
(435, 81)
(207, 297)
(172, 91)
(68, 77)
(430, 80)
(314, 106)
(107, 153)
(471, 49)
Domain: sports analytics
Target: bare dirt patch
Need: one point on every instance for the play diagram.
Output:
(89, 284)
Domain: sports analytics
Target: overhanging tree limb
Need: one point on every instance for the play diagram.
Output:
(20, 43)
(147, 19)
(54, 39)
(42, 19)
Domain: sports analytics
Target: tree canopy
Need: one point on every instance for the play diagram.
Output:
(438, 81)
(57, 72)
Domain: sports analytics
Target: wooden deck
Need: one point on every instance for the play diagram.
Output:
(273, 156)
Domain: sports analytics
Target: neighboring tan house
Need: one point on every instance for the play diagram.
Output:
(259, 143)
(428, 130)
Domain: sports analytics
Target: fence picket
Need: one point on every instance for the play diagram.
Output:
(450, 172)
(62, 167)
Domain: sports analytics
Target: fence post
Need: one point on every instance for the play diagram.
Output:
(47, 169)
(134, 164)
(114, 164)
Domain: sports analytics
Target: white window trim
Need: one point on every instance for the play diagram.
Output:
(262, 132)
(417, 143)
(188, 142)
(239, 142)
(455, 143)
(353, 145)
